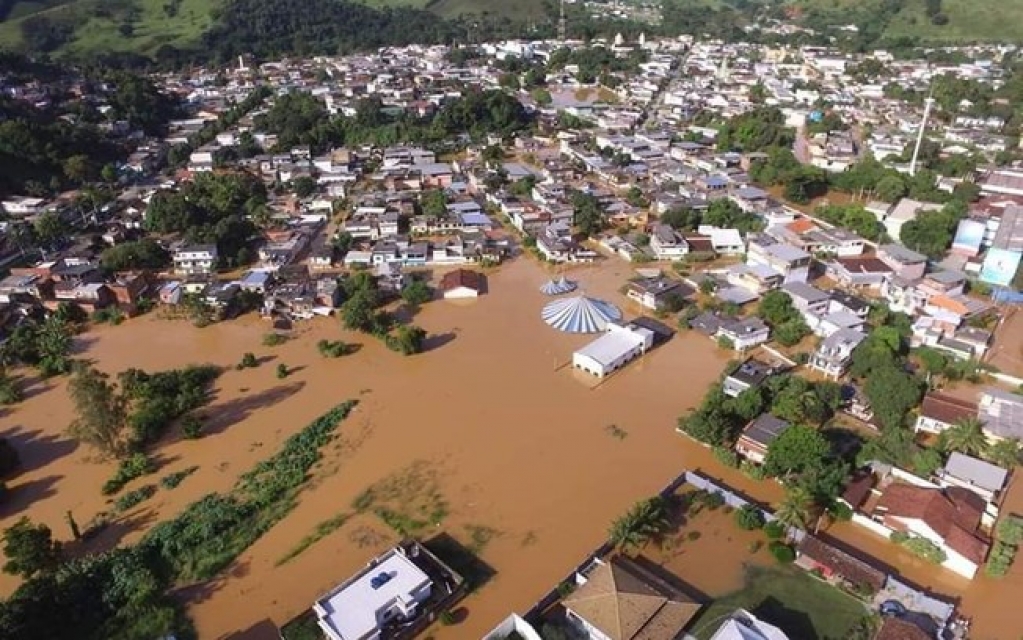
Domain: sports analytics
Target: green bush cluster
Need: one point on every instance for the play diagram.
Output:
(274, 339)
(172, 480)
(210, 533)
(134, 497)
(774, 530)
(749, 517)
(333, 348)
(1008, 536)
(134, 466)
(159, 399)
(782, 552)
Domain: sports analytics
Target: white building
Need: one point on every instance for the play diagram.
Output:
(743, 625)
(390, 588)
(198, 259)
(613, 350)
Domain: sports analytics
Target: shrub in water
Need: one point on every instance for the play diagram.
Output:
(749, 518)
(774, 530)
(782, 552)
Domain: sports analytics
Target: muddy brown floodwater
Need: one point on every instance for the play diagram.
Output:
(519, 455)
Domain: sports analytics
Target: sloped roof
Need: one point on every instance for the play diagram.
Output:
(627, 602)
(558, 287)
(580, 314)
(461, 278)
(954, 514)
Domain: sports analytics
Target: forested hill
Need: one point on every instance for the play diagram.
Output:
(268, 29)
(176, 32)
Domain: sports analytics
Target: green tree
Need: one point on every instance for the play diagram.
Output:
(642, 522)
(681, 218)
(965, 436)
(434, 203)
(30, 549)
(304, 186)
(588, 213)
(890, 188)
(109, 173)
(51, 231)
(416, 293)
(78, 168)
(53, 342)
(101, 412)
(795, 450)
(892, 393)
(794, 509)
(407, 339)
(1004, 453)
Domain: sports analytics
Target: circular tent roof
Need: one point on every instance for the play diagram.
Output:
(557, 287)
(580, 314)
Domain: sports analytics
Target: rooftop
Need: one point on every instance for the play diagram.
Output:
(351, 610)
(764, 429)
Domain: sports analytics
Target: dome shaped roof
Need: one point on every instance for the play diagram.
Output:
(580, 314)
(557, 287)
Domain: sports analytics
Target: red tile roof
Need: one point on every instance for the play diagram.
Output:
(953, 514)
(461, 278)
(947, 409)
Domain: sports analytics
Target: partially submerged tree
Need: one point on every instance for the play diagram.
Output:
(101, 410)
(30, 549)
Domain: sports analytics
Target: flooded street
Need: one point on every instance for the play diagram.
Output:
(518, 455)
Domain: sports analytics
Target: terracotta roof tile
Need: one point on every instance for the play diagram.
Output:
(947, 409)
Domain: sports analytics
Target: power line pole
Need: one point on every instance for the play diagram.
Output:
(923, 128)
(562, 24)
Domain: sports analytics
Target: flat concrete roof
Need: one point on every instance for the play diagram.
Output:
(351, 609)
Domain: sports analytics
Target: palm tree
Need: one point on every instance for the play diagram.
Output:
(794, 510)
(965, 436)
(1004, 453)
(643, 521)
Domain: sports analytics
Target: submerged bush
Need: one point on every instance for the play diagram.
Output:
(134, 466)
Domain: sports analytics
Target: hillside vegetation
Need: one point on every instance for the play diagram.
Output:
(180, 31)
(923, 21)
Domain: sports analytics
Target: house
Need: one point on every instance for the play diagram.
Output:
(462, 283)
(904, 210)
(950, 519)
(744, 333)
(1001, 413)
(622, 600)
(396, 589)
(939, 412)
(652, 293)
(813, 554)
(898, 629)
(904, 263)
(807, 298)
(619, 345)
(667, 244)
(792, 262)
(867, 272)
(743, 625)
(834, 353)
(982, 478)
(197, 259)
(748, 375)
(514, 626)
(757, 437)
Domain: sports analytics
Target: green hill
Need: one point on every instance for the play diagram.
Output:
(87, 27)
(925, 21)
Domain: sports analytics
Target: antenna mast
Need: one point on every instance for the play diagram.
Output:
(928, 102)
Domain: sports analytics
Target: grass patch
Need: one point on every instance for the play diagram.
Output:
(211, 532)
(320, 531)
(407, 501)
(172, 480)
(798, 604)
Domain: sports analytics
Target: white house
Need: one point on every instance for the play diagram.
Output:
(197, 259)
(834, 353)
(743, 625)
(461, 283)
(390, 588)
(667, 244)
(613, 350)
